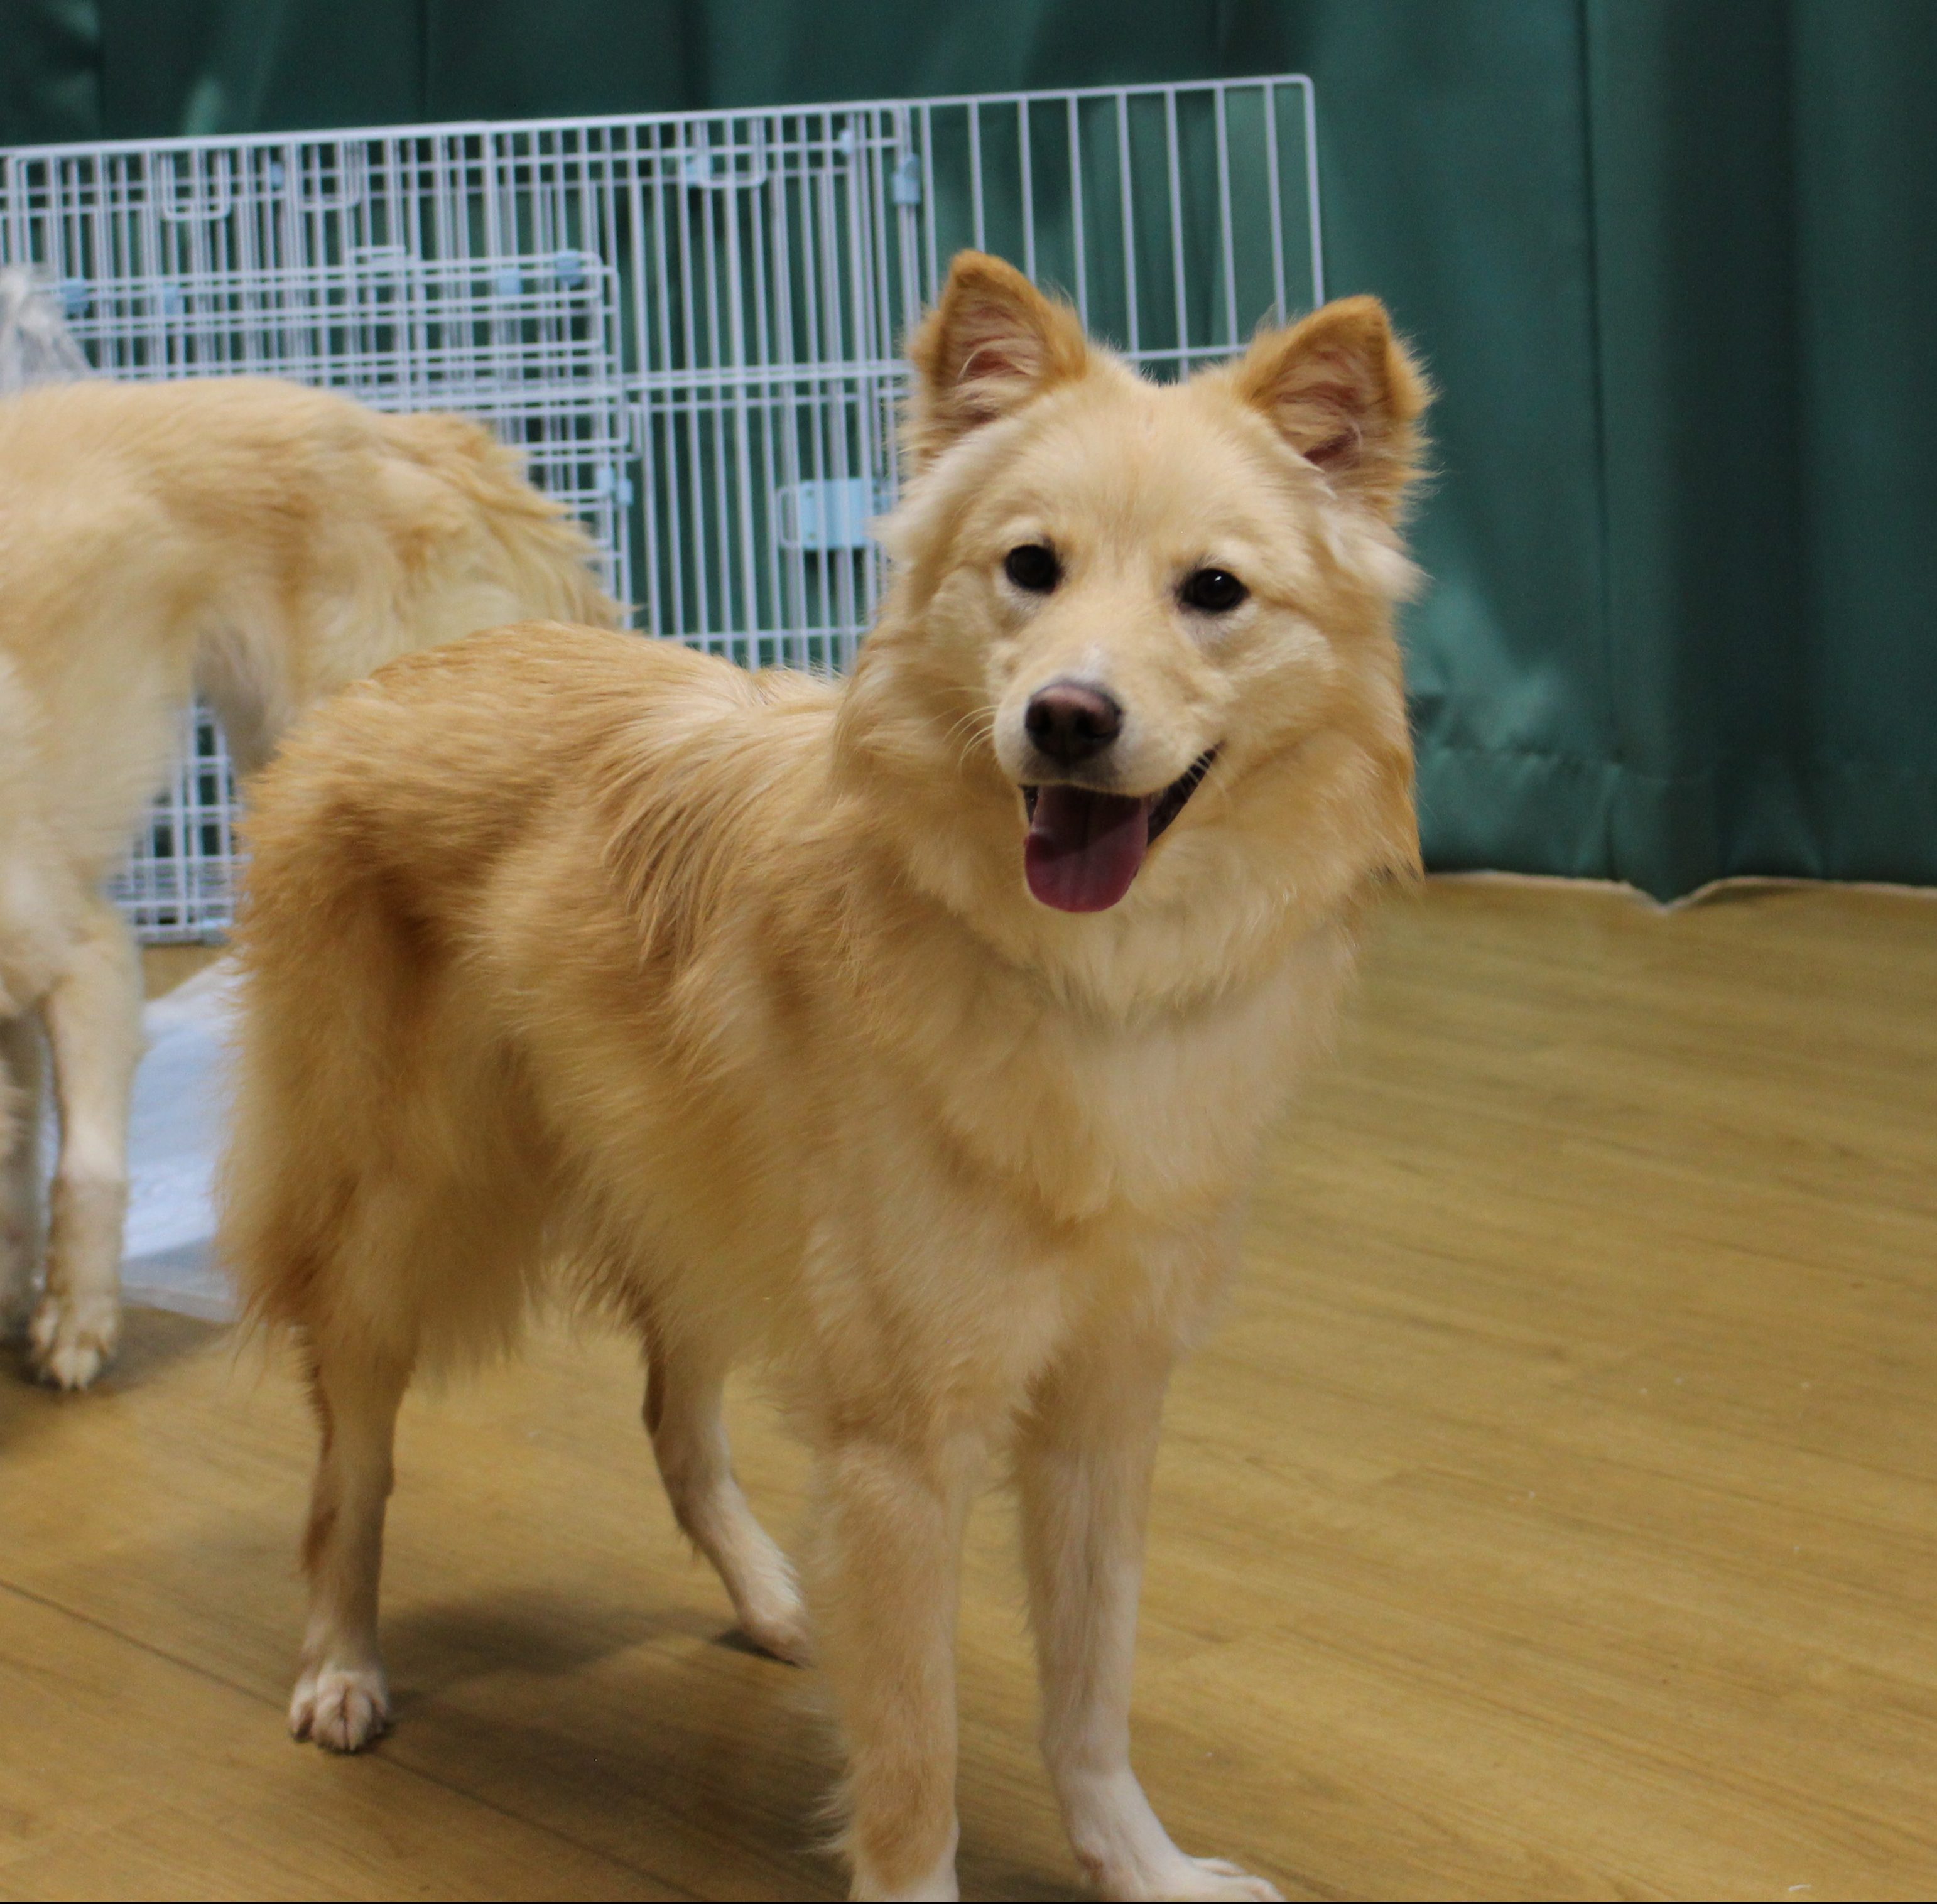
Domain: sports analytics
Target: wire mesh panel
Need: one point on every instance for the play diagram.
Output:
(780, 258)
(689, 322)
(178, 883)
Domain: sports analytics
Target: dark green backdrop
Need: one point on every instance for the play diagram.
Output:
(1668, 259)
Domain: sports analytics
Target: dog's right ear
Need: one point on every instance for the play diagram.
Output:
(992, 343)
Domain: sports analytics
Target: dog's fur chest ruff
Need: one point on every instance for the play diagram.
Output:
(1091, 1111)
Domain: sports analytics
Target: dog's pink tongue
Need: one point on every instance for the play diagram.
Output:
(1083, 848)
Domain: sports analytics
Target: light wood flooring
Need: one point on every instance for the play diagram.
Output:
(1554, 1516)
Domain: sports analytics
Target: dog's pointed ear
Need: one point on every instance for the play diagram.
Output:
(992, 343)
(1343, 392)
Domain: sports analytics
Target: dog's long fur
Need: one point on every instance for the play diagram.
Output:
(263, 542)
(723, 996)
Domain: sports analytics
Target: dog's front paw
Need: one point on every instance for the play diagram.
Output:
(1218, 1877)
(343, 1709)
(777, 1624)
(1185, 1878)
(73, 1337)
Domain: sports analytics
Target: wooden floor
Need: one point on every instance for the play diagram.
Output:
(1554, 1515)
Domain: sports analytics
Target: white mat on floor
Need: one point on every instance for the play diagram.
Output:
(180, 1110)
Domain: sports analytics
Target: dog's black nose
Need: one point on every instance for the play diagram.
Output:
(1070, 722)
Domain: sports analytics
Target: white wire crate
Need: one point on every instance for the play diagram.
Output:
(689, 322)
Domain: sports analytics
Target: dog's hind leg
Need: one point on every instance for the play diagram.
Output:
(1083, 1462)
(93, 1018)
(342, 1700)
(20, 1225)
(683, 1389)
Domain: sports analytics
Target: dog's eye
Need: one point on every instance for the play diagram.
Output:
(1212, 591)
(1034, 567)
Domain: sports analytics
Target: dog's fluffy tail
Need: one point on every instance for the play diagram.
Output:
(547, 556)
(424, 526)
(35, 345)
(377, 1194)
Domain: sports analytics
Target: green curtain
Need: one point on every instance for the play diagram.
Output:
(1666, 257)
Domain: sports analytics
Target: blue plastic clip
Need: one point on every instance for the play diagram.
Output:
(613, 483)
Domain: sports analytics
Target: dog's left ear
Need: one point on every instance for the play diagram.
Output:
(992, 343)
(1341, 389)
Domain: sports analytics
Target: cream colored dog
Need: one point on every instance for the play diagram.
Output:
(916, 1035)
(267, 543)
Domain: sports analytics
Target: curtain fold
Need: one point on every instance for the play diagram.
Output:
(1670, 263)
(1763, 186)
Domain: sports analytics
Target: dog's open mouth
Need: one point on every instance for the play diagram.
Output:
(1084, 848)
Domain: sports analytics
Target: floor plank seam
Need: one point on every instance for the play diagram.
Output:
(390, 1759)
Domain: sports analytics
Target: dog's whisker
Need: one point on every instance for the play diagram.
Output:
(977, 724)
(984, 716)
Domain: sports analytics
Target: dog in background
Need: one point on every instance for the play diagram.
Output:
(916, 1035)
(262, 542)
